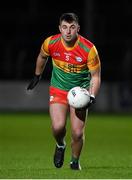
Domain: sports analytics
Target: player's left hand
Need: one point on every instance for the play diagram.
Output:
(91, 102)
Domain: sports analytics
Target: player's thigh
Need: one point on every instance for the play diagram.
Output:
(78, 118)
(58, 114)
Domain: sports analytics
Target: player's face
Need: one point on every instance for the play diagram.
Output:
(69, 31)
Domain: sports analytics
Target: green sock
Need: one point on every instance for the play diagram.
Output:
(74, 159)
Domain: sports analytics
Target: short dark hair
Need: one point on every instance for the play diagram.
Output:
(69, 17)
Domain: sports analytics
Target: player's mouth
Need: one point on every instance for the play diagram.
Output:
(68, 37)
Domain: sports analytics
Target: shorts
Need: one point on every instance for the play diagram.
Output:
(57, 95)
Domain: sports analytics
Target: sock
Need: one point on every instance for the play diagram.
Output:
(74, 159)
(63, 145)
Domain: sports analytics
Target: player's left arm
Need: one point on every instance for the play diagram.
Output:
(94, 66)
(95, 81)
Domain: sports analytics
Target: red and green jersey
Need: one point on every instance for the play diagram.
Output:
(71, 66)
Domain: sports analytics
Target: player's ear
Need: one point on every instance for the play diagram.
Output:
(78, 28)
(59, 28)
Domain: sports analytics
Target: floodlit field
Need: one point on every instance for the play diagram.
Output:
(27, 147)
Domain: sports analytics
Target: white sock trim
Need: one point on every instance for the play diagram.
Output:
(62, 146)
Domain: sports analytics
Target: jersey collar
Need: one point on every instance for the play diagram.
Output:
(70, 48)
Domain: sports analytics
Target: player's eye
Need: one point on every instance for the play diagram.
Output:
(73, 27)
(64, 27)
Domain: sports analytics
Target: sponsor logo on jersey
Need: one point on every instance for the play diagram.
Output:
(56, 54)
(78, 59)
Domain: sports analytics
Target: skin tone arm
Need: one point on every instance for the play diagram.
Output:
(40, 63)
(95, 82)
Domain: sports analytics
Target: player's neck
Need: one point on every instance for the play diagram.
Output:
(70, 43)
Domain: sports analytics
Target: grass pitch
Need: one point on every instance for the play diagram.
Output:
(27, 147)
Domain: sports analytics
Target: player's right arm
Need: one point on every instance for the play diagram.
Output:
(40, 64)
(42, 57)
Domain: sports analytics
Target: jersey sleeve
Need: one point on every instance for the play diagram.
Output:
(45, 46)
(93, 61)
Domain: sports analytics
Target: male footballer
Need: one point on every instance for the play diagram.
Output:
(75, 63)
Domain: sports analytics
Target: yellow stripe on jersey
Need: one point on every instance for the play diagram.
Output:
(44, 46)
(67, 67)
(93, 59)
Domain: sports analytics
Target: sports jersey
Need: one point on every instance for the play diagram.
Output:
(71, 66)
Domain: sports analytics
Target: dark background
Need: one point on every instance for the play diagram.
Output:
(25, 24)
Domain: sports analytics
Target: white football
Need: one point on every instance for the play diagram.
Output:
(78, 97)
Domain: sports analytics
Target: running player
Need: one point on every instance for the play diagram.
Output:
(75, 63)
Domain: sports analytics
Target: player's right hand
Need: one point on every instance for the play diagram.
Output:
(34, 82)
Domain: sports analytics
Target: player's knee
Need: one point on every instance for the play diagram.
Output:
(58, 127)
(77, 134)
